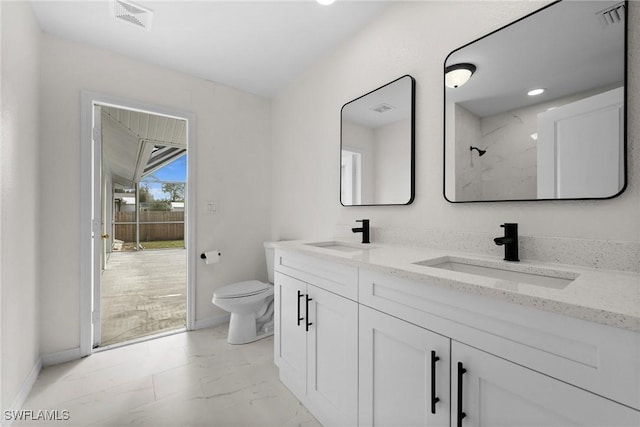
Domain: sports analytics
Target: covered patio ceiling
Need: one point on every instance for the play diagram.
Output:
(136, 144)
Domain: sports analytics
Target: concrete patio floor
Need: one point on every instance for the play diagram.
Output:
(143, 293)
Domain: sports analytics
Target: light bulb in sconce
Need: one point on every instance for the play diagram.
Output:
(326, 2)
(458, 74)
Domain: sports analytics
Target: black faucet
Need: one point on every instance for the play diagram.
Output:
(364, 230)
(510, 241)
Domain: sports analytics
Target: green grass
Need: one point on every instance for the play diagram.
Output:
(163, 244)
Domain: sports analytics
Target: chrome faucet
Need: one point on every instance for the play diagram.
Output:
(364, 230)
(510, 241)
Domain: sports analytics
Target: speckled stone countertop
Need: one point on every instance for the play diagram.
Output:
(607, 297)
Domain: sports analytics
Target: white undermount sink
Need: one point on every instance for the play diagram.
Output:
(536, 276)
(338, 246)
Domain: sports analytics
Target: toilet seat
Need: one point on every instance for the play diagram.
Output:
(241, 289)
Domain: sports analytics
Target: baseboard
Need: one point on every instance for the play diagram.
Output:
(27, 385)
(210, 322)
(61, 357)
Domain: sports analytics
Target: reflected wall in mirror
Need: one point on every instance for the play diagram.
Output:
(377, 146)
(566, 140)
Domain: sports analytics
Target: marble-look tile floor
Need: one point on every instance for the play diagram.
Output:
(188, 379)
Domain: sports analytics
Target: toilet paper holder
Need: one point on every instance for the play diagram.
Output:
(203, 256)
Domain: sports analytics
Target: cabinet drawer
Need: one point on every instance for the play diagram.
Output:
(331, 276)
(598, 358)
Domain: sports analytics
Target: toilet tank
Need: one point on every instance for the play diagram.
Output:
(269, 252)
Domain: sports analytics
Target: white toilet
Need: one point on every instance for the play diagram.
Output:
(250, 304)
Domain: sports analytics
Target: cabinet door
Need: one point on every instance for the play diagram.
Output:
(496, 392)
(332, 372)
(400, 383)
(290, 338)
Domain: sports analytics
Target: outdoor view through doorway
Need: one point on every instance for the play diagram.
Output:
(143, 285)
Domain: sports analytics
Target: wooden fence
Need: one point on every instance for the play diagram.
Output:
(149, 232)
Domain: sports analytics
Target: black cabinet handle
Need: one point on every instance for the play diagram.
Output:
(461, 414)
(300, 294)
(307, 310)
(434, 399)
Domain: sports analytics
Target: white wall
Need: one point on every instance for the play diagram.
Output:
(414, 38)
(393, 163)
(19, 194)
(360, 139)
(233, 134)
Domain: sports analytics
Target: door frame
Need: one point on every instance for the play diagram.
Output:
(97, 221)
(87, 100)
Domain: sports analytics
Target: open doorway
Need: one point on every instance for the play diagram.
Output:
(143, 285)
(141, 250)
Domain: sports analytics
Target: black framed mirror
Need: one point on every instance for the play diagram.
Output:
(536, 110)
(377, 144)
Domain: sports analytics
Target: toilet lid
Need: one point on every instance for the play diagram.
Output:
(241, 289)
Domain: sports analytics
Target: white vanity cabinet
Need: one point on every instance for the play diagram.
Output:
(487, 390)
(384, 350)
(316, 338)
(410, 376)
(290, 348)
(404, 373)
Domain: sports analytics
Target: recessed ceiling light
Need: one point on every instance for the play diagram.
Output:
(326, 2)
(535, 92)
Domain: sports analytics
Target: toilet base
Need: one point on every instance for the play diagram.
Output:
(257, 338)
(242, 329)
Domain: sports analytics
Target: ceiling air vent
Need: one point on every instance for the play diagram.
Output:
(382, 108)
(611, 15)
(132, 13)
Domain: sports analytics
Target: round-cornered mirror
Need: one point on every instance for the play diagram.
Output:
(541, 114)
(377, 146)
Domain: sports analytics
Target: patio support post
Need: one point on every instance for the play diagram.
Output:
(137, 216)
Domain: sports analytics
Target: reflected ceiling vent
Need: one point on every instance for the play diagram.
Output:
(132, 13)
(382, 108)
(611, 15)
